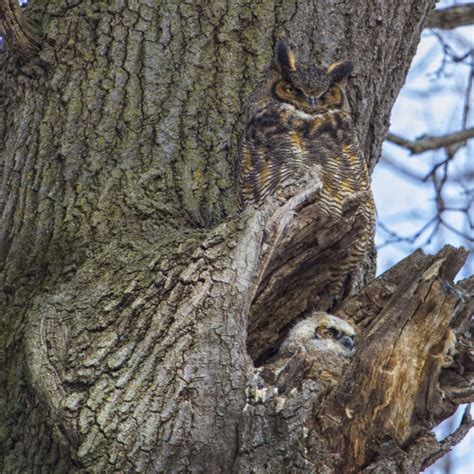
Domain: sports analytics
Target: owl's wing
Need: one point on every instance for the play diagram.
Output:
(269, 153)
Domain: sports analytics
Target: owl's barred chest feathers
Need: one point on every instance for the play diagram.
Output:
(282, 141)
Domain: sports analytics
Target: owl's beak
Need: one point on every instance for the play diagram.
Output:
(312, 100)
(347, 342)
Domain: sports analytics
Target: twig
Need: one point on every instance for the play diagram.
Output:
(411, 238)
(20, 35)
(431, 143)
(467, 96)
(449, 54)
(393, 164)
(451, 17)
(469, 238)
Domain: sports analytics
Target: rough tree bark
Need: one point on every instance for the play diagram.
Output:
(135, 299)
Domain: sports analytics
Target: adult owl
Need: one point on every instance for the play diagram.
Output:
(299, 122)
(318, 348)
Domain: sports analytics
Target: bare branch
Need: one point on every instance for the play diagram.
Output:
(452, 440)
(20, 35)
(431, 143)
(451, 17)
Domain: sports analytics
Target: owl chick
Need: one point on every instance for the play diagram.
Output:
(318, 348)
(318, 334)
(300, 122)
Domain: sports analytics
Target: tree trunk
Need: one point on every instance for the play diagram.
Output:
(129, 330)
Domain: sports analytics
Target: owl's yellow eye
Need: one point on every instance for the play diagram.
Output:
(327, 94)
(289, 89)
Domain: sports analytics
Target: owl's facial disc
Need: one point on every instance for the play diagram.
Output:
(311, 100)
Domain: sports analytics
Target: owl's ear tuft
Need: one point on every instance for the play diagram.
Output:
(284, 57)
(340, 70)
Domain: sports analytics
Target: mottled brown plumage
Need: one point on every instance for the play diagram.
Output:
(300, 121)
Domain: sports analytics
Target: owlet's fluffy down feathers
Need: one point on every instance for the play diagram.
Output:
(318, 347)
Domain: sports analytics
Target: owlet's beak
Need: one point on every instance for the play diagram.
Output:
(312, 100)
(348, 342)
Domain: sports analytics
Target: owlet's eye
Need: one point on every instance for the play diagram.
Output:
(289, 89)
(331, 333)
(323, 332)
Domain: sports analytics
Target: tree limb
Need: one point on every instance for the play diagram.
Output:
(451, 17)
(431, 143)
(20, 34)
(443, 447)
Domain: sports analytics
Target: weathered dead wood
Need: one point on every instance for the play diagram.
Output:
(411, 339)
(380, 417)
(407, 319)
(21, 36)
(404, 318)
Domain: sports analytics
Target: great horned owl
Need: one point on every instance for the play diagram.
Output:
(318, 348)
(300, 121)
